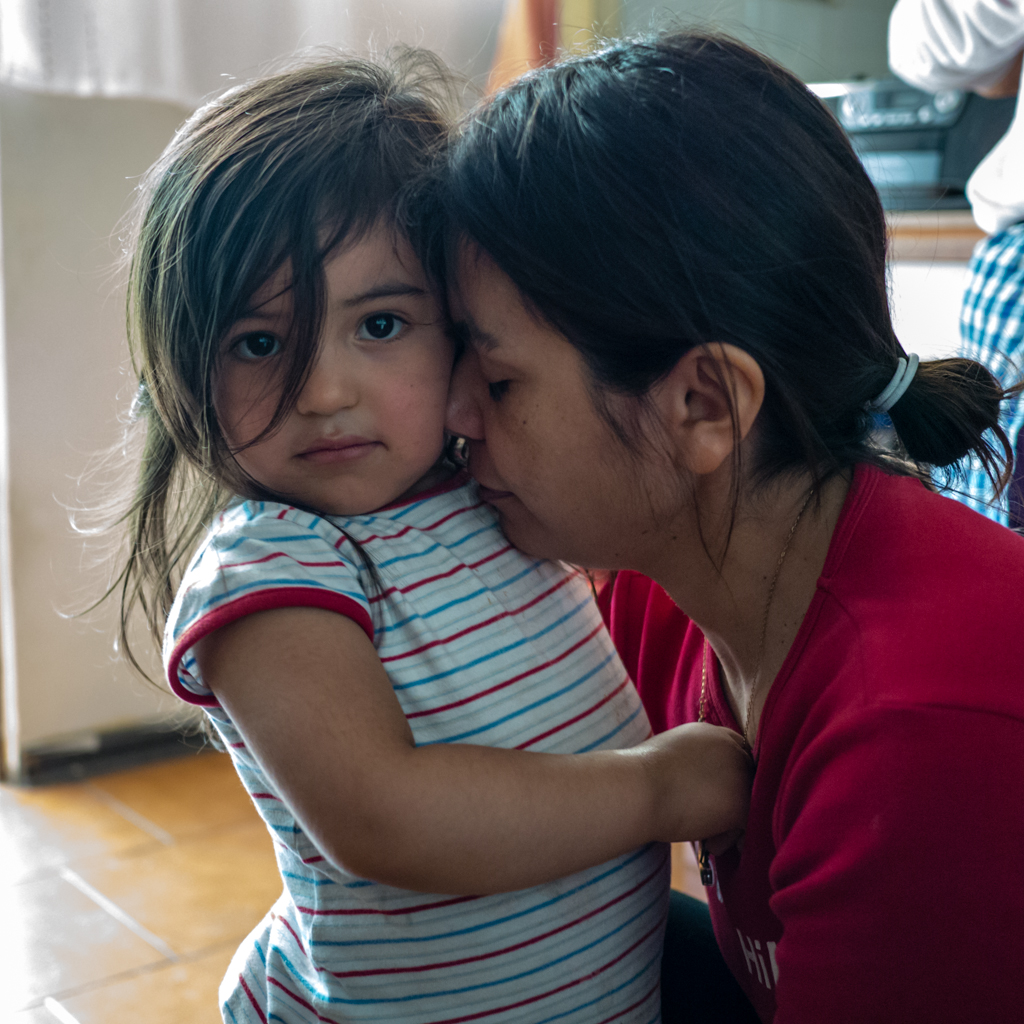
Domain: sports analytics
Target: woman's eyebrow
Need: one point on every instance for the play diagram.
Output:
(387, 290)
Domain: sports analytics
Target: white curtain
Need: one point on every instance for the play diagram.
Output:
(184, 50)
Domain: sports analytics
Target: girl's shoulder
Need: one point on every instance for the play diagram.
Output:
(447, 522)
(449, 502)
(248, 517)
(260, 556)
(251, 519)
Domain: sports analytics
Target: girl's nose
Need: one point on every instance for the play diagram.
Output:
(331, 385)
(465, 393)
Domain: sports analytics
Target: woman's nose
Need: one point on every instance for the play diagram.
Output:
(331, 384)
(464, 417)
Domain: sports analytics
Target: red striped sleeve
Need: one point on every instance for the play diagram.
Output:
(261, 601)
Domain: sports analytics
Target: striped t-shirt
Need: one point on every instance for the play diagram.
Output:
(483, 645)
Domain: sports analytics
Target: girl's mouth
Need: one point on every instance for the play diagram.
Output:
(341, 449)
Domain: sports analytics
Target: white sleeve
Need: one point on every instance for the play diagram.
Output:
(954, 44)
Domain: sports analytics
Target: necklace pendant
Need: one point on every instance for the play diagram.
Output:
(707, 872)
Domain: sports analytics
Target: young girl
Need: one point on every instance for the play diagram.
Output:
(394, 681)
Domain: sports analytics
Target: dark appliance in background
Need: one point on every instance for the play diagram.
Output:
(919, 149)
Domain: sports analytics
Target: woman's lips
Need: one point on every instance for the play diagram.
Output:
(490, 495)
(342, 449)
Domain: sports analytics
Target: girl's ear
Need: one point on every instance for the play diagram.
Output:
(708, 403)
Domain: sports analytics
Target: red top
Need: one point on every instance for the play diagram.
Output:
(882, 872)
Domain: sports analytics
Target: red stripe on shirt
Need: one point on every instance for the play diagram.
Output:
(571, 721)
(440, 576)
(364, 911)
(418, 583)
(640, 1002)
(262, 600)
(511, 1006)
(271, 557)
(288, 925)
(302, 1002)
(252, 999)
(507, 682)
(507, 949)
(422, 529)
(479, 625)
(560, 988)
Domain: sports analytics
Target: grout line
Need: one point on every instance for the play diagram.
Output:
(60, 1012)
(137, 972)
(129, 813)
(73, 878)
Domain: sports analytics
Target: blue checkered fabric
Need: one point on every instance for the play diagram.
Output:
(992, 331)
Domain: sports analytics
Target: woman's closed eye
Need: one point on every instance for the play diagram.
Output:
(381, 327)
(257, 345)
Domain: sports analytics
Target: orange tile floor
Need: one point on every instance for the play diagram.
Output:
(123, 897)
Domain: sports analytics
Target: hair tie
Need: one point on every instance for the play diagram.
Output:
(894, 390)
(142, 402)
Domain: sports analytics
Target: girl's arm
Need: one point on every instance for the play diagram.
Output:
(307, 692)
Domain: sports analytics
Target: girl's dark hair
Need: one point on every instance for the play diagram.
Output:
(681, 190)
(279, 170)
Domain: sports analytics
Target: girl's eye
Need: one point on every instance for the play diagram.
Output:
(498, 389)
(381, 327)
(257, 346)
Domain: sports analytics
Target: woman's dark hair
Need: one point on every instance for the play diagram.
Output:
(682, 190)
(281, 170)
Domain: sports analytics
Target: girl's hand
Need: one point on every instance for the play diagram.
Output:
(702, 776)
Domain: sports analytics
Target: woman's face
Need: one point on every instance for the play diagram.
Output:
(563, 484)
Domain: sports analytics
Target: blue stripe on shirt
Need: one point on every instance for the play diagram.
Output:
(498, 921)
(465, 666)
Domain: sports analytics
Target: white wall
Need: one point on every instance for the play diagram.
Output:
(68, 168)
(925, 299)
(820, 40)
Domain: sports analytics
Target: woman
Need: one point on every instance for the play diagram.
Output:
(669, 266)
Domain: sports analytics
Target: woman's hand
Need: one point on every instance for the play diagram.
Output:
(702, 777)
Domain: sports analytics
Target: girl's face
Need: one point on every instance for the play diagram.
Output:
(563, 484)
(368, 426)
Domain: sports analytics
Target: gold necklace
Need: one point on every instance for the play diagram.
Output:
(707, 876)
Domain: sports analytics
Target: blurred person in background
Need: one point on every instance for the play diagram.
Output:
(977, 45)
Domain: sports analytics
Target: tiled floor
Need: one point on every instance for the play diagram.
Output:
(685, 873)
(124, 897)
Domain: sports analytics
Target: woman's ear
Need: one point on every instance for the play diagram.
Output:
(708, 403)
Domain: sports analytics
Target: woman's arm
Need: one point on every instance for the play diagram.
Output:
(307, 692)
